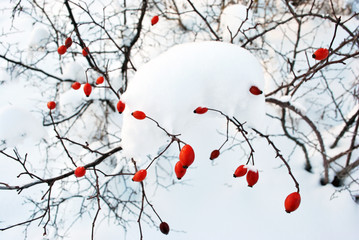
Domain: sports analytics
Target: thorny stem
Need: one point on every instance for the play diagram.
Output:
(205, 20)
(251, 155)
(97, 195)
(65, 175)
(315, 130)
(62, 142)
(278, 154)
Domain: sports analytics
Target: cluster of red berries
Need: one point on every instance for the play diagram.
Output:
(186, 158)
(63, 48)
(252, 174)
(87, 86)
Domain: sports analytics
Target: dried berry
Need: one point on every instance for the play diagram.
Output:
(164, 228)
(255, 90)
(214, 154)
(68, 42)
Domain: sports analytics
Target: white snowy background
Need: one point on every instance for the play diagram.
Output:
(211, 204)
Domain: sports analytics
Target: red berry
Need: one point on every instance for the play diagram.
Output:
(99, 80)
(292, 202)
(252, 177)
(255, 90)
(240, 171)
(85, 51)
(139, 115)
(179, 170)
(80, 171)
(68, 42)
(76, 85)
(214, 154)
(87, 89)
(321, 54)
(165, 229)
(121, 106)
(139, 175)
(200, 110)
(62, 49)
(154, 20)
(51, 105)
(186, 156)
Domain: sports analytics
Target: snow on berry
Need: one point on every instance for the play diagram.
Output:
(240, 171)
(252, 177)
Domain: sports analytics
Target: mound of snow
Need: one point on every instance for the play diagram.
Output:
(17, 124)
(168, 88)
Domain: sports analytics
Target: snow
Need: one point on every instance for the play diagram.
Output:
(208, 203)
(232, 19)
(38, 38)
(168, 88)
(17, 124)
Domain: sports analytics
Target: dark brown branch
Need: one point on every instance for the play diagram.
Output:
(205, 20)
(313, 127)
(50, 181)
(28, 67)
(345, 129)
(278, 154)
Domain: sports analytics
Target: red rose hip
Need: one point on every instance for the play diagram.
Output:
(186, 156)
(140, 175)
(292, 202)
(51, 105)
(80, 171)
